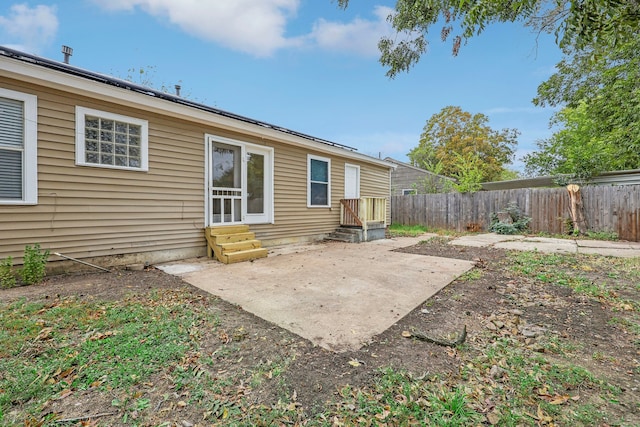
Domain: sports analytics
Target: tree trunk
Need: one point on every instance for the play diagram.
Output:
(576, 209)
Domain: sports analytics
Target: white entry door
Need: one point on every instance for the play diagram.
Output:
(351, 181)
(239, 182)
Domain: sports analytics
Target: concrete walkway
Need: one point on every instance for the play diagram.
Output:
(550, 245)
(337, 295)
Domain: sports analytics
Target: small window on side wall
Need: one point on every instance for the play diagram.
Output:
(18, 148)
(408, 192)
(111, 140)
(318, 181)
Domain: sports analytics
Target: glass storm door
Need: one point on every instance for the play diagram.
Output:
(226, 189)
(240, 182)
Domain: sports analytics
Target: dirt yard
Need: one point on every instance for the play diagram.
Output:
(553, 324)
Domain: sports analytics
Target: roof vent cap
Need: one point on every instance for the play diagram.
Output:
(67, 52)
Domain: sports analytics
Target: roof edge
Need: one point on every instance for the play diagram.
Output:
(135, 88)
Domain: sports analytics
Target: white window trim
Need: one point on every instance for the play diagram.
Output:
(411, 192)
(81, 112)
(328, 161)
(269, 188)
(30, 148)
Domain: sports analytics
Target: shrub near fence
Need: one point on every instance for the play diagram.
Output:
(606, 208)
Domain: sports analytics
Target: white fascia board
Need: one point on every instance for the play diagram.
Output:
(68, 82)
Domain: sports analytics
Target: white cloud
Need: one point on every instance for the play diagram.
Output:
(256, 27)
(31, 29)
(359, 36)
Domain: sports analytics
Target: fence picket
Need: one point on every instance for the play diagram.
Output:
(606, 208)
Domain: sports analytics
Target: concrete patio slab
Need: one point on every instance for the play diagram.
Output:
(337, 295)
(607, 244)
(484, 240)
(614, 252)
(566, 247)
(550, 245)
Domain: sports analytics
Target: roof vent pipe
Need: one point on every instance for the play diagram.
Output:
(178, 87)
(67, 51)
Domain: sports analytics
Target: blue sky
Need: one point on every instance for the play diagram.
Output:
(301, 64)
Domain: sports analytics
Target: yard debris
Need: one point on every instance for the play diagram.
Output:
(496, 372)
(84, 417)
(355, 363)
(81, 262)
(224, 337)
(479, 262)
(414, 333)
(532, 331)
(44, 334)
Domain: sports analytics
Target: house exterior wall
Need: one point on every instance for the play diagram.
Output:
(121, 216)
(410, 178)
(295, 221)
(404, 178)
(87, 212)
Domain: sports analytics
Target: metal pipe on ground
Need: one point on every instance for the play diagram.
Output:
(81, 262)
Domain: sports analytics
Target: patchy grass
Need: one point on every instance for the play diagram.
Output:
(48, 350)
(471, 275)
(402, 399)
(440, 240)
(525, 390)
(397, 230)
(591, 235)
(162, 357)
(572, 271)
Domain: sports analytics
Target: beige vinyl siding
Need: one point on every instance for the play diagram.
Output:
(293, 219)
(92, 212)
(87, 212)
(292, 216)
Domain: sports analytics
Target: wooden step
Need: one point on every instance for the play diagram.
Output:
(227, 229)
(247, 255)
(220, 239)
(233, 243)
(213, 250)
(240, 246)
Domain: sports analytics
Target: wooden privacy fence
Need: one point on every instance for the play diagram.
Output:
(606, 208)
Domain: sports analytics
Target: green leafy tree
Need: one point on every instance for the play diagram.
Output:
(469, 173)
(453, 134)
(601, 95)
(433, 182)
(509, 175)
(578, 149)
(576, 24)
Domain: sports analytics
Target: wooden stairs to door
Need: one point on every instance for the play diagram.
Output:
(233, 243)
